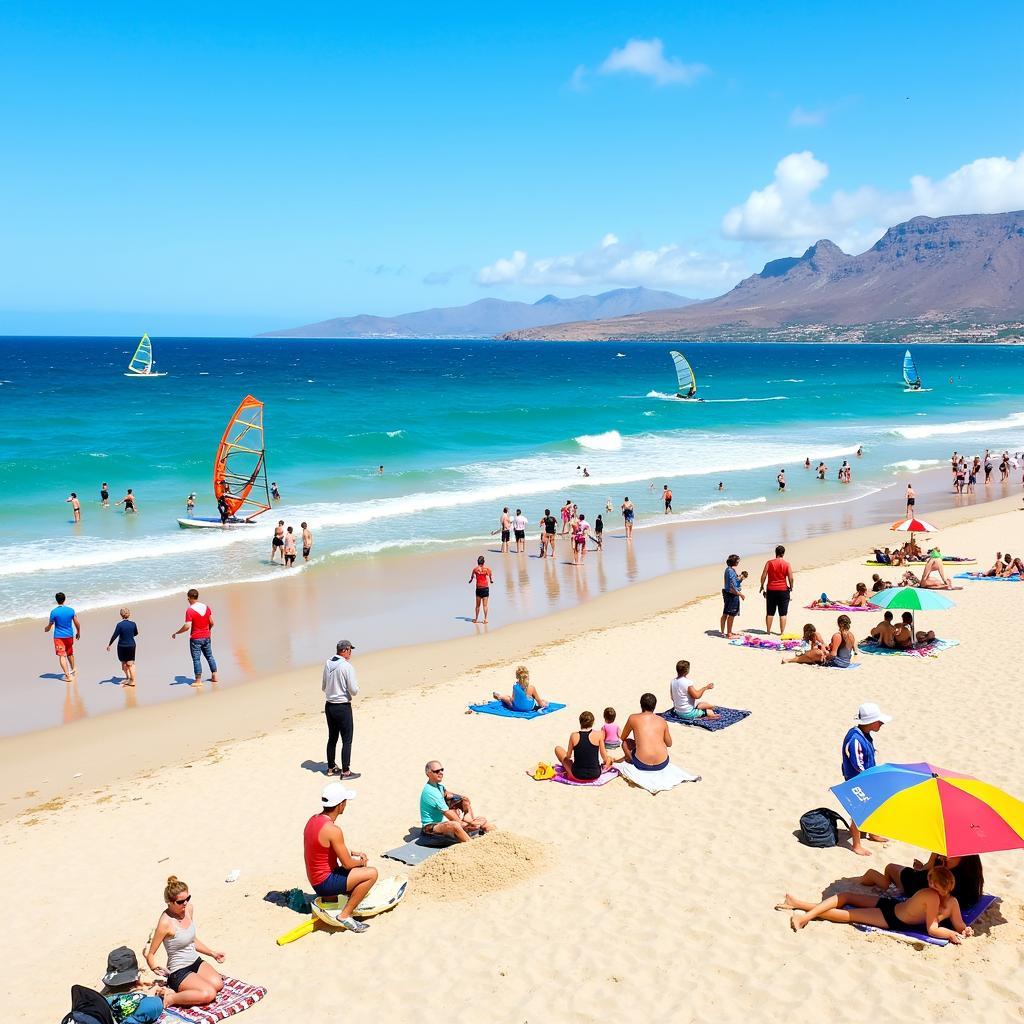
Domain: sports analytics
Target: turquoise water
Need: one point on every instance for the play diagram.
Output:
(461, 428)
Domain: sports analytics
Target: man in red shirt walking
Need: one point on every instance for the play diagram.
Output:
(776, 585)
(199, 619)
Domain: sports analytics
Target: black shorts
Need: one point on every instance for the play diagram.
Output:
(505, 534)
(305, 552)
(777, 601)
(911, 502)
(520, 535)
(730, 603)
(125, 653)
(483, 591)
(289, 559)
(279, 542)
(175, 978)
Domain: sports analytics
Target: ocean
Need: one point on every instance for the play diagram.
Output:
(461, 428)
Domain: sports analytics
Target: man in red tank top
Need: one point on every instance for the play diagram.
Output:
(776, 585)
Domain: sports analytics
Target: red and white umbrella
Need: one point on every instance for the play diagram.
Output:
(913, 526)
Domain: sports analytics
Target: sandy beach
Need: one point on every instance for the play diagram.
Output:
(688, 877)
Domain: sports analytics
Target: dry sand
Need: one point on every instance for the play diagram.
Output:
(632, 904)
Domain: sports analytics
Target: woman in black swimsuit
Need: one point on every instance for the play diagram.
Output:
(968, 877)
(933, 910)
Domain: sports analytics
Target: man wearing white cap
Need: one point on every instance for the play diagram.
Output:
(859, 754)
(332, 869)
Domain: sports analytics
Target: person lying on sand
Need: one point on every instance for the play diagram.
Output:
(584, 756)
(861, 597)
(815, 654)
(933, 910)
(968, 877)
(997, 567)
(443, 813)
(686, 696)
(908, 579)
(646, 737)
(524, 696)
(884, 633)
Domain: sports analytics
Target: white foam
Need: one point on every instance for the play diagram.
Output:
(1011, 422)
(609, 441)
(913, 465)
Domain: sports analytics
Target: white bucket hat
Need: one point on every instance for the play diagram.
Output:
(869, 713)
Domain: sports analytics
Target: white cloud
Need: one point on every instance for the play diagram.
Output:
(801, 117)
(647, 57)
(578, 80)
(787, 209)
(615, 263)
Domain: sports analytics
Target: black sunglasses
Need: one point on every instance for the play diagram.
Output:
(181, 903)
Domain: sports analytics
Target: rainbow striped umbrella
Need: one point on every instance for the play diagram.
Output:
(934, 808)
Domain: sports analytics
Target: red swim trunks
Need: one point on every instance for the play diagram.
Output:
(64, 645)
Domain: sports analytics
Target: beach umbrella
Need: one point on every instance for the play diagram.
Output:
(911, 599)
(934, 808)
(913, 526)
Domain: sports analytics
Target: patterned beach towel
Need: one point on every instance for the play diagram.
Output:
(767, 643)
(603, 779)
(728, 716)
(929, 650)
(982, 578)
(233, 998)
(495, 707)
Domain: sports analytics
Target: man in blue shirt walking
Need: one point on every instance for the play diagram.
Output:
(66, 630)
(859, 754)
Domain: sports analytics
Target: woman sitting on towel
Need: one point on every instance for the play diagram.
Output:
(815, 654)
(968, 877)
(524, 697)
(933, 910)
(861, 597)
(191, 980)
(843, 646)
(585, 754)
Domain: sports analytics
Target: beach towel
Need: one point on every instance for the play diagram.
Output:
(656, 782)
(729, 716)
(946, 560)
(767, 643)
(233, 998)
(982, 578)
(495, 707)
(970, 915)
(603, 779)
(929, 650)
(835, 606)
(417, 850)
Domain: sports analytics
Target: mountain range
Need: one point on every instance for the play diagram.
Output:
(488, 317)
(925, 267)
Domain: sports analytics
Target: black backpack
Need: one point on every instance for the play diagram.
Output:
(88, 1007)
(819, 828)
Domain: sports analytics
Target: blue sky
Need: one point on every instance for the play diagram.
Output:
(219, 168)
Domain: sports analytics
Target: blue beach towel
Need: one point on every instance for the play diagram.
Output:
(970, 915)
(1015, 578)
(495, 707)
(729, 716)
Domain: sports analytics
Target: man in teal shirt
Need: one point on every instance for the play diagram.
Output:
(443, 813)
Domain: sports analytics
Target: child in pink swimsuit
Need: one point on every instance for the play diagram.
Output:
(611, 730)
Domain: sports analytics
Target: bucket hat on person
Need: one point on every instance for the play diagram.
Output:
(870, 713)
(122, 967)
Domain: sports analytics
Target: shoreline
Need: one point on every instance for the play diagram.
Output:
(43, 764)
(268, 627)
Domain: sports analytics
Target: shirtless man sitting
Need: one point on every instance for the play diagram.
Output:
(884, 633)
(646, 737)
(443, 813)
(902, 635)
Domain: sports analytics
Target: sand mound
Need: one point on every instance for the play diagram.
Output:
(495, 861)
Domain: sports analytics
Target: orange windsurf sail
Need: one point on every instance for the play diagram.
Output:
(240, 469)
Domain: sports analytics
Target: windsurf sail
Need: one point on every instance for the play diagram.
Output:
(910, 375)
(142, 362)
(684, 375)
(240, 469)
